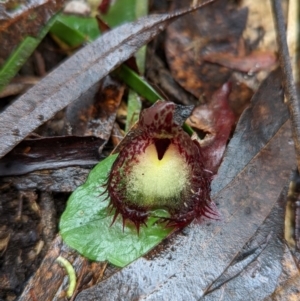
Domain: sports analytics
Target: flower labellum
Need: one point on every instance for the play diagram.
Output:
(160, 167)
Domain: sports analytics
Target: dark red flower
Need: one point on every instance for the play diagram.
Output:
(160, 166)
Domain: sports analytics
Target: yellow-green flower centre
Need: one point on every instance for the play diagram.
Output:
(155, 182)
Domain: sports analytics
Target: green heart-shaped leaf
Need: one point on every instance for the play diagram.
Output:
(85, 224)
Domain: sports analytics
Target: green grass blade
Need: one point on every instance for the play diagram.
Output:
(139, 85)
(21, 54)
(133, 109)
(74, 30)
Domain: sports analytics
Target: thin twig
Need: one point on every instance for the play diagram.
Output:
(288, 80)
(293, 34)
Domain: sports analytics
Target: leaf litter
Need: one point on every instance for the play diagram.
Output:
(46, 118)
(261, 241)
(83, 70)
(200, 255)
